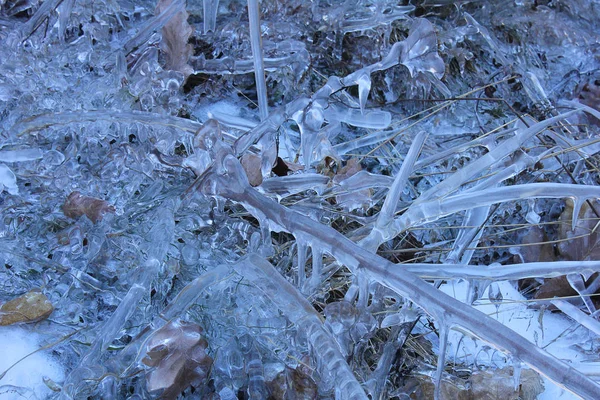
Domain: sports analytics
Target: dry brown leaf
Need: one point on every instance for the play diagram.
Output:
(582, 243)
(77, 205)
(251, 164)
(175, 36)
(177, 353)
(535, 247)
(33, 306)
(492, 385)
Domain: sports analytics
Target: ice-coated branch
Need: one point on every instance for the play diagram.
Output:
(330, 361)
(578, 316)
(153, 25)
(231, 183)
(422, 213)
(499, 272)
(157, 242)
(478, 166)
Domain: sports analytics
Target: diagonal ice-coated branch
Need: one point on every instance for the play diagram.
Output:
(330, 361)
(233, 184)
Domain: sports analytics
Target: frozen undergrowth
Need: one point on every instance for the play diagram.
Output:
(396, 150)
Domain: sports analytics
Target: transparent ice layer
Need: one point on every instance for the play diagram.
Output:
(288, 199)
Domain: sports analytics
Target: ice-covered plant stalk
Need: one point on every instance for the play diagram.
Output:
(227, 179)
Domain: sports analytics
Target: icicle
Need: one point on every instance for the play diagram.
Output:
(443, 332)
(317, 269)
(364, 87)
(495, 296)
(301, 249)
(257, 54)
(577, 204)
(517, 374)
(257, 390)
(210, 8)
(577, 283)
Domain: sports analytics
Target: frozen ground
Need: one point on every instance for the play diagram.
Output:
(300, 199)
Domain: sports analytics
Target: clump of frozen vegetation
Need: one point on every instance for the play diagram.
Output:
(302, 200)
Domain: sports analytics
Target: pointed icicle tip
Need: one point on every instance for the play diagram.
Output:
(364, 87)
(577, 204)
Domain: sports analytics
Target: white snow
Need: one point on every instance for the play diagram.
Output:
(554, 332)
(17, 342)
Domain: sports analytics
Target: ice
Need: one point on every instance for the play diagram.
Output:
(334, 194)
(257, 54)
(8, 180)
(210, 9)
(26, 367)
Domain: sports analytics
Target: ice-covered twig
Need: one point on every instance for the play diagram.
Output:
(35, 21)
(388, 210)
(153, 25)
(578, 316)
(429, 211)
(329, 359)
(498, 272)
(231, 183)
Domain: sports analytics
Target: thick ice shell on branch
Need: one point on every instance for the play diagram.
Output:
(330, 361)
(445, 309)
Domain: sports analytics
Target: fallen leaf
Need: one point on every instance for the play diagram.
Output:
(357, 199)
(177, 353)
(175, 36)
(581, 243)
(33, 306)
(78, 205)
(251, 164)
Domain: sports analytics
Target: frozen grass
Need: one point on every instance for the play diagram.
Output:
(423, 205)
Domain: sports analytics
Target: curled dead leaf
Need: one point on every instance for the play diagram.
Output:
(177, 353)
(355, 200)
(78, 205)
(175, 36)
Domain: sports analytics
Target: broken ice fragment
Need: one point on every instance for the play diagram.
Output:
(33, 306)
(8, 180)
(78, 205)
